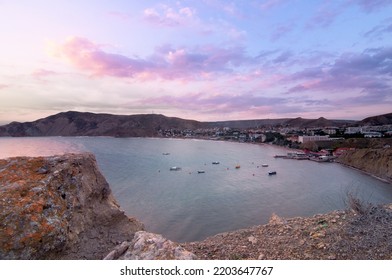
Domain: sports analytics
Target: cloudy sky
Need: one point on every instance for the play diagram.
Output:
(201, 59)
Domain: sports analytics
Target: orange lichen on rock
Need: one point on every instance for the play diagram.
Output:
(23, 199)
(58, 207)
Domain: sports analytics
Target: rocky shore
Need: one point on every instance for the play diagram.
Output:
(61, 207)
(362, 232)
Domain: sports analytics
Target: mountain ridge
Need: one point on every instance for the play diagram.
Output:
(74, 123)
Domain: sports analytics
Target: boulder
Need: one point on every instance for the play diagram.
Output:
(149, 246)
(59, 207)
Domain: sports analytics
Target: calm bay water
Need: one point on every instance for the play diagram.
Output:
(185, 205)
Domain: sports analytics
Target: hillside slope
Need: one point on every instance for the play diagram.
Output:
(377, 120)
(377, 162)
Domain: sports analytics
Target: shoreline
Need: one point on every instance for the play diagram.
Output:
(365, 172)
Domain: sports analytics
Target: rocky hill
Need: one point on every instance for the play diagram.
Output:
(90, 124)
(377, 120)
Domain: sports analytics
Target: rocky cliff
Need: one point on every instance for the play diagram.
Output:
(377, 162)
(59, 207)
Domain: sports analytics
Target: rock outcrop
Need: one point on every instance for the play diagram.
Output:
(59, 207)
(149, 246)
(377, 162)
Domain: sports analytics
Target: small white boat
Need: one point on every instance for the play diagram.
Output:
(272, 173)
(175, 168)
(215, 162)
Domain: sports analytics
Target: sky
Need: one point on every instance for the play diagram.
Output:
(206, 60)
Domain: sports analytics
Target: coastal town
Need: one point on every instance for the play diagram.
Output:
(321, 144)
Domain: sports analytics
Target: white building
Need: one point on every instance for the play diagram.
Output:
(305, 138)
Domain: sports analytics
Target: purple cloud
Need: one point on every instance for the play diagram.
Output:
(165, 63)
(325, 16)
(378, 31)
(371, 5)
(281, 31)
(219, 103)
(283, 57)
(367, 73)
(269, 4)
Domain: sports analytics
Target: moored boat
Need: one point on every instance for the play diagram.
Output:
(272, 173)
(175, 168)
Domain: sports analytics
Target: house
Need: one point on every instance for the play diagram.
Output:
(373, 134)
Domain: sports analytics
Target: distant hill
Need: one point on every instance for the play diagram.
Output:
(148, 125)
(296, 122)
(243, 124)
(89, 124)
(377, 120)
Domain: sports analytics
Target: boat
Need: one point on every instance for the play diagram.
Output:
(165, 154)
(280, 156)
(272, 173)
(215, 162)
(201, 171)
(238, 166)
(264, 165)
(321, 159)
(175, 168)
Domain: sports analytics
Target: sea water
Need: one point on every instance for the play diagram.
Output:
(186, 205)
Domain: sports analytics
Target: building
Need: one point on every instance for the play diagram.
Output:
(373, 134)
(305, 138)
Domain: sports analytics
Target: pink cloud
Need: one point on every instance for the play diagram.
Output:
(86, 55)
(167, 16)
(42, 73)
(119, 15)
(3, 86)
(166, 62)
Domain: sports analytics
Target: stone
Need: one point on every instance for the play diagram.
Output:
(252, 240)
(150, 246)
(276, 220)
